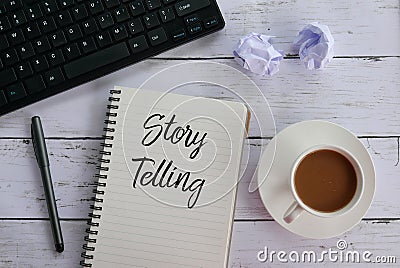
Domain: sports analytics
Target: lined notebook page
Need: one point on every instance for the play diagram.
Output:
(170, 189)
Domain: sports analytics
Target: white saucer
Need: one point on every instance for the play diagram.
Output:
(275, 190)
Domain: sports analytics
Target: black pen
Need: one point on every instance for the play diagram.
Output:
(39, 146)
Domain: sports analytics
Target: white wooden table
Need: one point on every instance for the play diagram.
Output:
(359, 90)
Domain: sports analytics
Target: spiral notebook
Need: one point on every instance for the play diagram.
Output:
(166, 187)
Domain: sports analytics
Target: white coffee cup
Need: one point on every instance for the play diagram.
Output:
(297, 207)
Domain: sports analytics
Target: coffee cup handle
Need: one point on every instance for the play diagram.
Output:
(293, 212)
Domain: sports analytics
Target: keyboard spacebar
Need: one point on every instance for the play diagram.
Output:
(94, 61)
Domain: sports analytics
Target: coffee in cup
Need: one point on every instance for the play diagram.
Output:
(326, 181)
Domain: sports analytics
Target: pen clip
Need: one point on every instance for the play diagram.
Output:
(34, 143)
(38, 141)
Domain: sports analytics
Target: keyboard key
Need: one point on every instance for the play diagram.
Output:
(16, 37)
(151, 20)
(168, 1)
(7, 77)
(192, 19)
(42, 44)
(3, 42)
(103, 39)
(3, 100)
(90, 26)
(64, 18)
(54, 77)
(35, 84)
(18, 18)
(186, 7)
(12, 4)
(121, 14)
(94, 61)
(88, 45)
(120, 33)
(167, 14)
(24, 70)
(31, 30)
(72, 51)
(15, 92)
(58, 39)
(195, 28)
(95, 7)
(157, 36)
(178, 35)
(34, 12)
(26, 51)
(105, 20)
(210, 22)
(153, 4)
(56, 57)
(47, 25)
(10, 57)
(65, 3)
(137, 8)
(111, 3)
(80, 12)
(49, 6)
(4, 24)
(135, 26)
(138, 44)
(40, 64)
(73, 32)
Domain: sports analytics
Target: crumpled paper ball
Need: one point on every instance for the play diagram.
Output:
(314, 44)
(255, 53)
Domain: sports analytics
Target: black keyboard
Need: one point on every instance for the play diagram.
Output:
(49, 46)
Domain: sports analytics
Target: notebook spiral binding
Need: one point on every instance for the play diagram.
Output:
(102, 177)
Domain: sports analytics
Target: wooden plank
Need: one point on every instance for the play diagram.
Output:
(358, 29)
(73, 165)
(378, 237)
(360, 94)
(29, 243)
(385, 155)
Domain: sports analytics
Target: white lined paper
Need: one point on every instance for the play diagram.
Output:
(136, 229)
